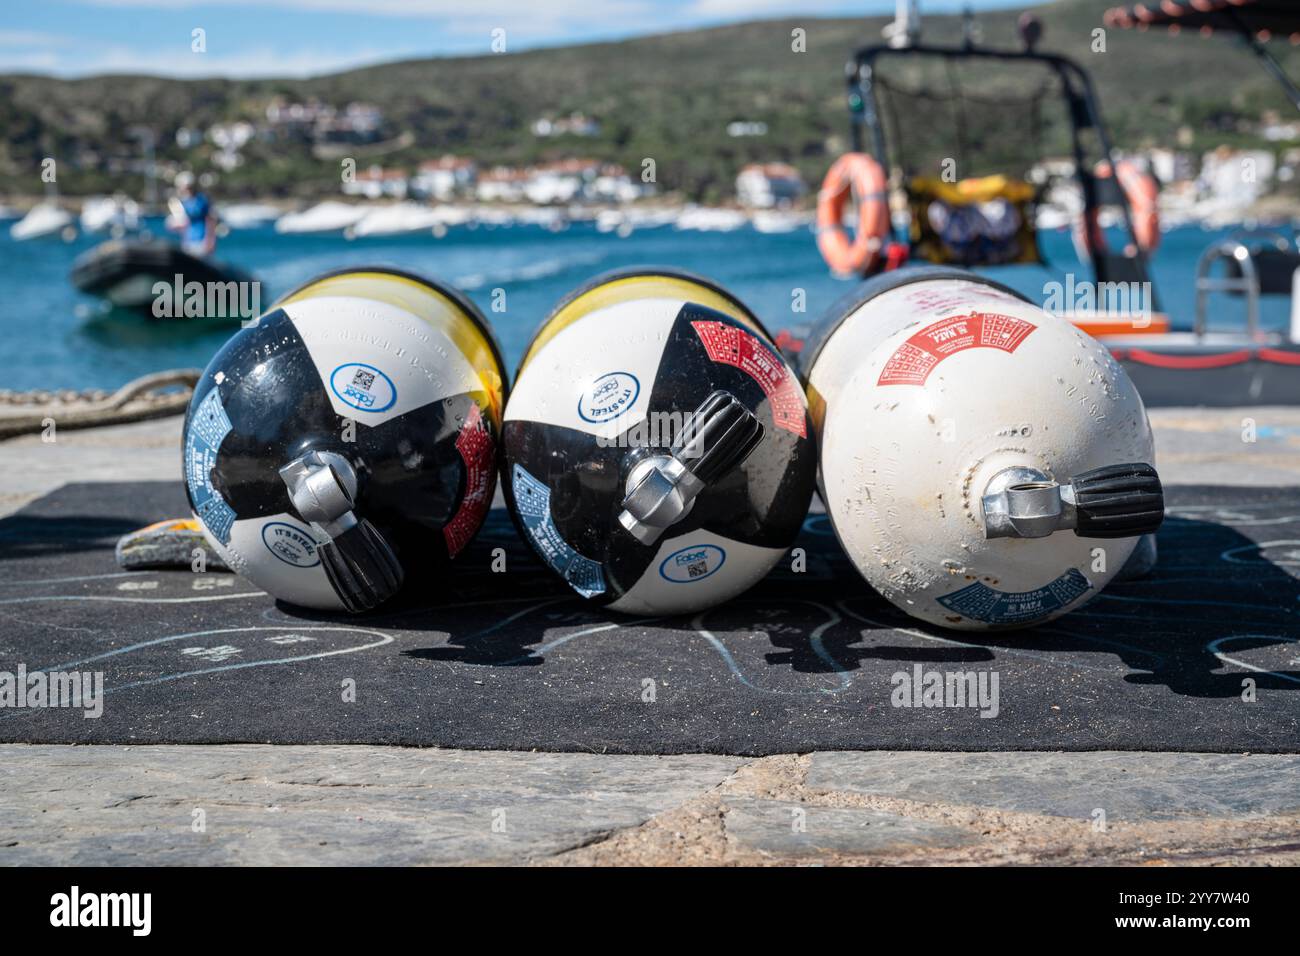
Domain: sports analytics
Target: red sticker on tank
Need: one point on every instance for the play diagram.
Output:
(734, 346)
(916, 358)
(476, 449)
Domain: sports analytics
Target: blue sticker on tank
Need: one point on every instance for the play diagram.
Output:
(979, 602)
(693, 563)
(364, 387)
(209, 425)
(290, 544)
(608, 397)
(533, 501)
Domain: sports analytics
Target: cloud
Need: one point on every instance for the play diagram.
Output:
(262, 61)
(31, 62)
(755, 9)
(501, 12)
(437, 27)
(26, 38)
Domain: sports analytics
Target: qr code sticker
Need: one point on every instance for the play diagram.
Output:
(697, 570)
(363, 379)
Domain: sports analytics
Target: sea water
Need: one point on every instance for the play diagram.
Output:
(54, 337)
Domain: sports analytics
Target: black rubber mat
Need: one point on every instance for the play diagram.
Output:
(1202, 655)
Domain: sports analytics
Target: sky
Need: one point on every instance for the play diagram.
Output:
(73, 38)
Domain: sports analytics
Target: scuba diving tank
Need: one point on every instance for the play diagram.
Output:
(346, 440)
(984, 464)
(656, 449)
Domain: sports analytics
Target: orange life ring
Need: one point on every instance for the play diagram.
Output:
(1140, 190)
(860, 176)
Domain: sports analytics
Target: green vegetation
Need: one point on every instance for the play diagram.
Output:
(668, 97)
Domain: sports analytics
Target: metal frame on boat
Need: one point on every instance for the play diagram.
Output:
(1251, 367)
(1128, 265)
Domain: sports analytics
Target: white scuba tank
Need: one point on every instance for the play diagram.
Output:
(984, 464)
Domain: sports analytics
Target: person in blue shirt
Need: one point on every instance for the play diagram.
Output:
(195, 219)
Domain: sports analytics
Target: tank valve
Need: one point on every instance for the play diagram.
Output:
(359, 563)
(661, 490)
(1117, 501)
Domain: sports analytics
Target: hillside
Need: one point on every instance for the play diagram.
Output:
(668, 97)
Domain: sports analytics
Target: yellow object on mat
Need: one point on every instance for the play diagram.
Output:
(167, 544)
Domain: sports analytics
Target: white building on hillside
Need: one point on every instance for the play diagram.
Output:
(1236, 177)
(377, 183)
(613, 184)
(560, 182)
(445, 178)
(501, 184)
(575, 124)
(764, 185)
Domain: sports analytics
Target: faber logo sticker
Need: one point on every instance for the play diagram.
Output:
(291, 545)
(364, 387)
(609, 397)
(693, 563)
(915, 359)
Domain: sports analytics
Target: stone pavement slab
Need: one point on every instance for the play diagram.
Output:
(791, 830)
(329, 805)
(1127, 786)
(305, 805)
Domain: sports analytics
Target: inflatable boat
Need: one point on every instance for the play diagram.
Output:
(161, 281)
(1009, 144)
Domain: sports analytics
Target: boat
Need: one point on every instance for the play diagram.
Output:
(709, 219)
(1249, 366)
(610, 220)
(773, 221)
(329, 216)
(624, 220)
(399, 219)
(248, 215)
(545, 217)
(494, 216)
(118, 214)
(154, 279)
(44, 219)
(454, 215)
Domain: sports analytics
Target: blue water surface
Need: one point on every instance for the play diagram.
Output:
(55, 337)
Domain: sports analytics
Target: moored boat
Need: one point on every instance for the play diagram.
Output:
(156, 280)
(44, 219)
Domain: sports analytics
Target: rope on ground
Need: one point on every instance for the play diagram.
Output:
(151, 396)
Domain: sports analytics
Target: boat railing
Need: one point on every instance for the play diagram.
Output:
(1259, 264)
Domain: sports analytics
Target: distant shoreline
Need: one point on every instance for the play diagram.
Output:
(1272, 210)
(24, 203)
